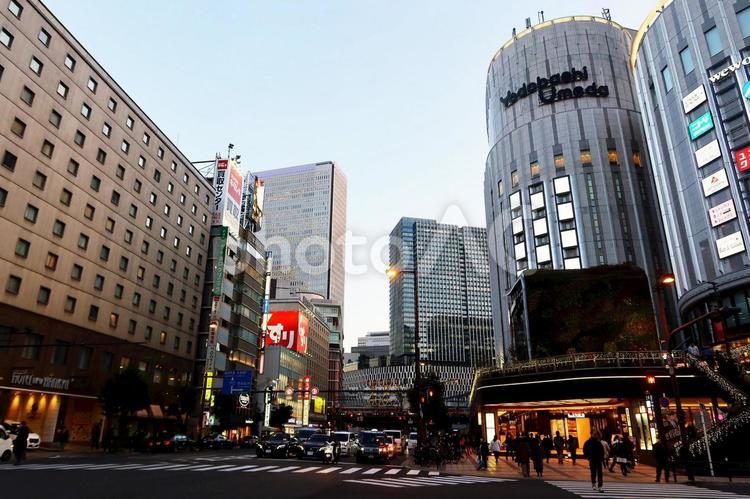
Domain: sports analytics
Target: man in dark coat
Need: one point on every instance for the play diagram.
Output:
(559, 443)
(573, 447)
(661, 455)
(20, 443)
(594, 452)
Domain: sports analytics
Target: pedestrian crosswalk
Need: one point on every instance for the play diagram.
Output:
(423, 481)
(626, 490)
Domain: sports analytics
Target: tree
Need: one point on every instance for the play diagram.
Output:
(125, 393)
(225, 407)
(185, 405)
(280, 415)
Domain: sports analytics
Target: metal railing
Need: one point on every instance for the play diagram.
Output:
(737, 395)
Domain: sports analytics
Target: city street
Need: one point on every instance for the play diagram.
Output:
(202, 474)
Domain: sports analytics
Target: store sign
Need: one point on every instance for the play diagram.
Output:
(715, 182)
(548, 92)
(694, 99)
(717, 77)
(742, 159)
(576, 415)
(746, 90)
(228, 200)
(722, 213)
(730, 245)
(237, 382)
(221, 254)
(287, 328)
(708, 153)
(44, 382)
(243, 400)
(700, 126)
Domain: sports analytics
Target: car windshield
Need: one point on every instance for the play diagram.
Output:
(318, 438)
(393, 433)
(279, 437)
(412, 436)
(341, 437)
(389, 439)
(306, 433)
(371, 438)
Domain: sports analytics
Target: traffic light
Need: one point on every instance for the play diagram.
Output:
(651, 379)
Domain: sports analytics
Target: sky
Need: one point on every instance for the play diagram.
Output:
(391, 90)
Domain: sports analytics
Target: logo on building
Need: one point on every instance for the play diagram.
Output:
(287, 328)
(702, 125)
(717, 77)
(548, 92)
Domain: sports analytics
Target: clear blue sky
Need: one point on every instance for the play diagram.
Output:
(391, 90)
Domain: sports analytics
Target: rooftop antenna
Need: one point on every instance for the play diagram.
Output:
(528, 22)
(606, 15)
(514, 32)
(540, 16)
(229, 149)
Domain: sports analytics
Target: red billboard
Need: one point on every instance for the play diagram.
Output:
(742, 158)
(287, 328)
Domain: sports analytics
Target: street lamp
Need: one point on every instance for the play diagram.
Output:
(662, 283)
(392, 273)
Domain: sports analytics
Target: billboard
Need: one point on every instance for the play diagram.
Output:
(237, 382)
(694, 99)
(715, 182)
(228, 201)
(287, 328)
(703, 124)
(722, 213)
(259, 190)
(730, 245)
(708, 153)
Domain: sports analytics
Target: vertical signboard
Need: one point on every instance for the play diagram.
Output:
(221, 252)
(742, 159)
(264, 321)
(228, 201)
(259, 190)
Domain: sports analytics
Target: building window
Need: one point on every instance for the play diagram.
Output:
(612, 156)
(99, 282)
(58, 228)
(27, 96)
(129, 122)
(32, 346)
(104, 253)
(70, 63)
(637, 159)
(42, 297)
(18, 127)
(173, 166)
(15, 8)
(113, 320)
(92, 84)
(163, 232)
(159, 256)
(79, 138)
(559, 161)
(163, 337)
(132, 325)
(62, 90)
(152, 198)
(13, 284)
(89, 211)
(40, 180)
(112, 104)
(145, 247)
(110, 224)
(514, 179)
(157, 175)
(118, 291)
(133, 211)
(148, 332)
(176, 242)
(137, 186)
(120, 172)
(149, 222)
(136, 299)
(9, 160)
(585, 157)
(534, 169)
(44, 37)
(179, 220)
(170, 187)
(55, 118)
(156, 281)
(141, 161)
(48, 148)
(189, 347)
(182, 199)
(70, 305)
(176, 342)
(160, 153)
(36, 66)
(51, 262)
(31, 213)
(93, 313)
(146, 138)
(185, 178)
(140, 273)
(73, 167)
(6, 38)
(101, 156)
(83, 241)
(65, 197)
(666, 76)
(124, 263)
(76, 272)
(85, 110)
(22, 248)
(60, 353)
(713, 41)
(96, 183)
(686, 56)
(128, 236)
(125, 146)
(84, 357)
(151, 306)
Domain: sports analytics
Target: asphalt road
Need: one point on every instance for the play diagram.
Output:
(241, 474)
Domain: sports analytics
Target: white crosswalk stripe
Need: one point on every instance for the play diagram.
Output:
(394, 471)
(215, 468)
(371, 481)
(286, 468)
(262, 468)
(413, 472)
(372, 471)
(328, 470)
(349, 471)
(424, 481)
(307, 470)
(240, 468)
(645, 491)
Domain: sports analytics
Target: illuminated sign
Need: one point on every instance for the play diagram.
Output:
(734, 66)
(287, 328)
(730, 245)
(722, 213)
(700, 126)
(228, 200)
(708, 153)
(694, 99)
(548, 92)
(715, 182)
(742, 159)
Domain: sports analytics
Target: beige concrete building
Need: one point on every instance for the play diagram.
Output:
(105, 232)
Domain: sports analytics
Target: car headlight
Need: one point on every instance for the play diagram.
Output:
(279, 447)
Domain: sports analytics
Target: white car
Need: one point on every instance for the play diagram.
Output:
(412, 442)
(347, 441)
(6, 445)
(32, 442)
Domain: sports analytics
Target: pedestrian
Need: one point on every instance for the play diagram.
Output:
(593, 450)
(537, 456)
(547, 447)
(629, 451)
(693, 350)
(559, 443)
(621, 454)
(20, 443)
(495, 449)
(483, 454)
(64, 437)
(661, 455)
(605, 445)
(573, 447)
(523, 455)
(509, 446)
(95, 433)
(613, 452)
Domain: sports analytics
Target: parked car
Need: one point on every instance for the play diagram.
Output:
(170, 442)
(216, 442)
(397, 440)
(6, 445)
(279, 445)
(348, 442)
(313, 446)
(249, 442)
(372, 447)
(33, 441)
(302, 434)
(412, 442)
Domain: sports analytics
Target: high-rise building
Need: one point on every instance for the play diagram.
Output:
(105, 229)
(448, 267)
(304, 226)
(568, 183)
(373, 348)
(691, 69)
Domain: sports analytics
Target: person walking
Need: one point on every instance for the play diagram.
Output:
(661, 455)
(523, 455)
(605, 445)
(509, 446)
(20, 443)
(613, 451)
(559, 443)
(95, 433)
(537, 456)
(547, 447)
(495, 449)
(483, 453)
(621, 452)
(593, 450)
(573, 447)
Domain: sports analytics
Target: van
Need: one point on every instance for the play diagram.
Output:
(347, 441)
(397, 441)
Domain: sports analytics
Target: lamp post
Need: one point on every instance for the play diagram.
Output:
(664, 281)
(393, 273)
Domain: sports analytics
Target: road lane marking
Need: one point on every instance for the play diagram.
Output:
(413, 472)
(328, 470)
(407, 482)
(349, 471)
(372, 471)
(306, 470)
(240, 468)
(433, 473)
(376, 482)
(394, 471)
(262, 468)
(281, 470)
(216, 468)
